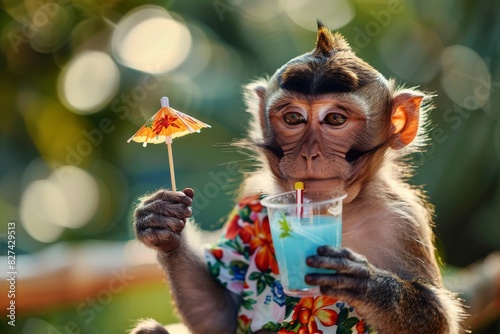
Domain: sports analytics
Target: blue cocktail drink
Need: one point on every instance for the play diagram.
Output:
(297, 237)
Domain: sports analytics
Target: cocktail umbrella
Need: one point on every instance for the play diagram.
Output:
(165, 125)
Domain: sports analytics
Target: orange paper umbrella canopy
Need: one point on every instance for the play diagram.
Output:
(165, 125)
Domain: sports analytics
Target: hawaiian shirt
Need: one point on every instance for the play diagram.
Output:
(244, 262)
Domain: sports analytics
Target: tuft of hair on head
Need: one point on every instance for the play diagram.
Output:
(328, 43)
(149, 326)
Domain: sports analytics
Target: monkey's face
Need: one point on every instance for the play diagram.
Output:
(322, 140)
(313, 135)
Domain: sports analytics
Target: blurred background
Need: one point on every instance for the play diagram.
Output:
(79, 77)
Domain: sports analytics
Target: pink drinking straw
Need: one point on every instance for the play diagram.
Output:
(299, 197)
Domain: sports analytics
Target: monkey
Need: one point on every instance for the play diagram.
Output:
(329, 119)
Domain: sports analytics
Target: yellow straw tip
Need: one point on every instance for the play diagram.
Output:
(299, 185)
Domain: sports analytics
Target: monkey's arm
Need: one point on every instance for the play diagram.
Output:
(205, 305)
(202, 302)
(388, 302)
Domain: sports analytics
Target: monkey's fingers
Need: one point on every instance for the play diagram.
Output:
(341, 265)
(340, 286)
(170, 196)
(341, 252)
(167, 209)
(189, 192)
(159, 232)
(342, 260)
(160, 239)
(159, 223)
(335, 281)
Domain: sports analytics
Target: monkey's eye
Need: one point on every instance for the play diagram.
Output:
(335, 119)
(294, 118)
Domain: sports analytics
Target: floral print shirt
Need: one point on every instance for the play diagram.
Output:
(244, 262)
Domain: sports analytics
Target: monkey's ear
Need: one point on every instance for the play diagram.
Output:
(260, 91)
(405, 117)
(255, 95)
(255, 98)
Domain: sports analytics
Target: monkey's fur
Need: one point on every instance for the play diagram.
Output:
(386, 268)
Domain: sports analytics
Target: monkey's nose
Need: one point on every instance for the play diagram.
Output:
(311, 159)
(310, 156)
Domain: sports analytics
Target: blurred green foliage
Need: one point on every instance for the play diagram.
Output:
(116, 316)
(450, 48)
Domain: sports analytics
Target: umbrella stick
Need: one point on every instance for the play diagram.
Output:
(171, 164)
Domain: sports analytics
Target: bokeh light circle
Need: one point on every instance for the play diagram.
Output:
(412, 51)
(81, 192)
(148, 39)
(335, 14)
(69, 197)
(89, 82)
(50, 24)
(466, 79)
(201, 51)
(43, 211)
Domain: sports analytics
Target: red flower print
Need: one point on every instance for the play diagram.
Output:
(217, 253)
(360, 326)
(308, 309)
(256, 234)
(252, 202)
(262, 244)
(247, 233)
(233, 228)
(165, 122)
(244, 323)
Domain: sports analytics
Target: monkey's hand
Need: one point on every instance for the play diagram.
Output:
(389, 303)
(161, 217)
(355, 280)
